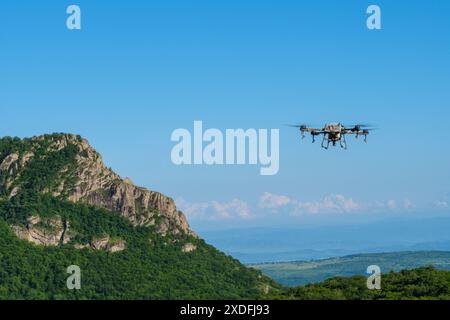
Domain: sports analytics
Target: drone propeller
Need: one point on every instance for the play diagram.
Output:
(301, 126)
(361, 126)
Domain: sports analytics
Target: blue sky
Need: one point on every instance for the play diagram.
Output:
(138, 70)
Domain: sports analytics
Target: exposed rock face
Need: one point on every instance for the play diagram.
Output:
(44, 231)
(10, 163)
(106, 244)
(98, 185)
(53, 232)
(189, 247)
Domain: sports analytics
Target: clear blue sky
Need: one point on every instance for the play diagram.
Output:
(140, 69)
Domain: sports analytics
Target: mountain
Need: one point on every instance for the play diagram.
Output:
(301, 273)
(61, 206)
(70, 169)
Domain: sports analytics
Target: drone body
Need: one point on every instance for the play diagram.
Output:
(334, 133)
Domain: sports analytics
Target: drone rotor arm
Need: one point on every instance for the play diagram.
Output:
(310, 130)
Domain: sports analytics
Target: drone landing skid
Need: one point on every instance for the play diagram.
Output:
(326, 142)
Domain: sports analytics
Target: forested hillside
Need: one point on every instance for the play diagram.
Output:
(418, 284)
(142, 250)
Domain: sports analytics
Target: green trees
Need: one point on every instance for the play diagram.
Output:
(423, 283)
(152, 267)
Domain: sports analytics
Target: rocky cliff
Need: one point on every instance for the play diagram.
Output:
(47, 232)
(72, 170)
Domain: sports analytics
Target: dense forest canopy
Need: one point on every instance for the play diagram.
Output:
(419, 284)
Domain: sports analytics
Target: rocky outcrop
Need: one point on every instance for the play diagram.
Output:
(10, 163)
(98, 185)
(44, 231)
(53, 232)
(105, 243)
(189, 247)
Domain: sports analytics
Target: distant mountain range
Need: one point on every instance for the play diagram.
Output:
(301, 273)
(276, 244)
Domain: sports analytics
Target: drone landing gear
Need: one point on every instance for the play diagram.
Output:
(327, 140)
(343, 143)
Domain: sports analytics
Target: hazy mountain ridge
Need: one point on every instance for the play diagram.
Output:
(276, 244)
(305, 272)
